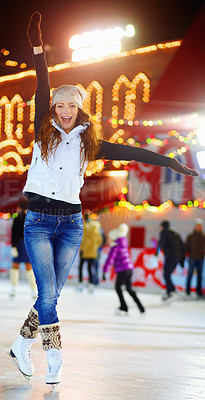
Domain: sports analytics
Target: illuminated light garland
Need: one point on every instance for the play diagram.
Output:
(144, 206)
(116, 136)
(11, 63)
(152, 140)
(15, 143)
(130, 94)
(155, 209)
(58, 67)
(94, 167)
(19, 167)
(9, 131)
(138, 208)
(97, 118)
(23, 65)
(31, 104)
(0, 119)
(20, 75)
(161, 46)
(94, 85)
(9, 112)
(192, 117)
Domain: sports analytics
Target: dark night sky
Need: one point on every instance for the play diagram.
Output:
(155, 21)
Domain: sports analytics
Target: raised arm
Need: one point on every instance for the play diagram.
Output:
(42, 96)
(114, 151)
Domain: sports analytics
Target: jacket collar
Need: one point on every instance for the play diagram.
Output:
(74, 132)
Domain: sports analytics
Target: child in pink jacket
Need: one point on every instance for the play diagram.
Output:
(119, 258)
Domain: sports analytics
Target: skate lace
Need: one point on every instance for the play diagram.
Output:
(54, 364)
(26, 352)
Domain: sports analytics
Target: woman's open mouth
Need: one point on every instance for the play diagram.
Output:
(66, 119)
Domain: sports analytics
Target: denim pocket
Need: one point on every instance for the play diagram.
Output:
(77, 223)
(31, 221)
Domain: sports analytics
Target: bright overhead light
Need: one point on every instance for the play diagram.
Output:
(86, 39)
(96, 51)
(117, 33)
(115, 47)
(74, 42)
(130, 31)
(97, 36)
(98, 43)
(81, 55)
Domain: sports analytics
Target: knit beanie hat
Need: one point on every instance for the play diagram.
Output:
(119, 232)
(69, 93)
(198, 221)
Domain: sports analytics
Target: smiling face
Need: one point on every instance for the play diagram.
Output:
(66, 113)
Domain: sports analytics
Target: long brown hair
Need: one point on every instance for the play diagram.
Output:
(50, 137)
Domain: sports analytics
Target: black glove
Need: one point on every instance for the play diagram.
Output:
(34, 30)
(104, 277)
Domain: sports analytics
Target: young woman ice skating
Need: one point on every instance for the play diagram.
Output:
(119, 258)
(65, 142)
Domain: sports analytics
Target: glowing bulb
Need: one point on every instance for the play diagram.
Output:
(74, 42)
(85, 39)
(130, 31)
(117, 33)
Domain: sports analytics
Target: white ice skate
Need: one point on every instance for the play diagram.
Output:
(169, 297)
(79, 287)
(54, 370)
(90, 288)
(118, 311)
(21, 355)
(12, 293)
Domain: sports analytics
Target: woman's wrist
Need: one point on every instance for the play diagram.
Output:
(37, 50)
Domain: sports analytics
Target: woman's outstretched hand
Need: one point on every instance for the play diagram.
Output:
(182, 169)
(34, 30)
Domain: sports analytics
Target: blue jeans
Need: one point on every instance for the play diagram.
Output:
(198, 264)
(52, 243)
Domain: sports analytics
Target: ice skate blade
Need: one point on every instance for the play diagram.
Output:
(53, 386)
(119, 312)
(13, 358)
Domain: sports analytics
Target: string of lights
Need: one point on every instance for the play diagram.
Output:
(144, 206)
(20, 105)
(142, 50)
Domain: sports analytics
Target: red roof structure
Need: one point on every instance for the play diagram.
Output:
(181, 88)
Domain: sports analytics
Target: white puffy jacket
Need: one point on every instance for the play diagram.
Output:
(62, 177)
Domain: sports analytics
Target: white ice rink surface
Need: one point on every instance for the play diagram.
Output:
(156, 356)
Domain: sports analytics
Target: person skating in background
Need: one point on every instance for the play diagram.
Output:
(66, 141)
(91, 241)
(19, 253)
(195, 248)
(174, 252)
(119, 258)
(97, 260)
